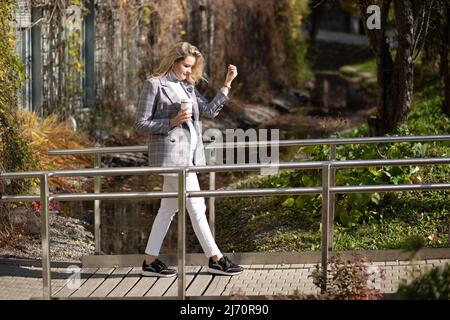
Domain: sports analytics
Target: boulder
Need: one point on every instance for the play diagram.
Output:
(25, 218)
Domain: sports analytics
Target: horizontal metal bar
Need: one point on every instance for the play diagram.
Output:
(330, 141)
(145, 170)
(255, 192)
(24, 198)
(94, 196)
(227, 167)
(389, 162)
(99, 150)
(122, 171)
(390, 188)
(285, 143)
(21, 175)
(92, 172)
(152, 195)
(114, 196)
(256, 166)
(229, 193)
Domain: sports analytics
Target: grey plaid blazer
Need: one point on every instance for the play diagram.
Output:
(158, 103)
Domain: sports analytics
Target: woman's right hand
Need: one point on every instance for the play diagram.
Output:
(182, 116)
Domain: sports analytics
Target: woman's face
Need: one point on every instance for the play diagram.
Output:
(184, 67)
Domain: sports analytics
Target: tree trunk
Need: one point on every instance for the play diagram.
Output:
(380, 48)
(444, 61)
(314, 19)
(404, 67)
(395, 79)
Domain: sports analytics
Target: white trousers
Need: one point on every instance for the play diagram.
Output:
(169, 206)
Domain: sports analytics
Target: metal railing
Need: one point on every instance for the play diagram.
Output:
(328, 190)
(212, 145)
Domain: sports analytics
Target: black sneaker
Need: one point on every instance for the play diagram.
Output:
(224, 267)
(157, 269)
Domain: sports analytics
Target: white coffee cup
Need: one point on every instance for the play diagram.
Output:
(186, 104)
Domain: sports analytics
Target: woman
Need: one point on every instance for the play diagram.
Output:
(175, 139)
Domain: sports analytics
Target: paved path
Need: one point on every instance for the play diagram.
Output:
(24, 281)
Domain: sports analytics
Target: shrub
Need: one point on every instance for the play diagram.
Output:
(15, 155)
(50, 133)
(433, 285)
(346, 280)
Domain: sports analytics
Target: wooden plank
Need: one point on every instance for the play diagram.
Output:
(161, 286)
(127, 283)
(217, 285)
(200, 283)
(92, 283)
(191, 272)
(111, 282)
(65, 291)
(142, 286)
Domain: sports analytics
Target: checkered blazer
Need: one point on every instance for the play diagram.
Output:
(158, 103)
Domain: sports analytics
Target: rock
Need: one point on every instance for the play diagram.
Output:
(33, 225)
(125, 159)
(255, 115)
(281, 104)
(348, 70)
(101, 134)
(302, 96)
(294, 98)
(23, 217)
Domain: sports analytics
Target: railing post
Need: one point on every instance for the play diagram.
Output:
(181, 233)
(326, 205)
(212, 202)
(97, 212)
(332, 197)
(46, 275)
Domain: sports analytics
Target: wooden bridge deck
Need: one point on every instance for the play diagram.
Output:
(127, 282)
(119, 277)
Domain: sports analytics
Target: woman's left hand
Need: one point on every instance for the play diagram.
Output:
(231, 74)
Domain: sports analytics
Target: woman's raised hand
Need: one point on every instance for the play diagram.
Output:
(231, 74)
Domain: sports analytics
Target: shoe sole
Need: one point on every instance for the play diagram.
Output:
(223, 273)
(154, 274)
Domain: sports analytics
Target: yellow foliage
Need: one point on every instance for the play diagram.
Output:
(50, 133)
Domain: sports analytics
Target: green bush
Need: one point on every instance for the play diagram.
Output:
(15, 154)
(433, 285)
(426, 118)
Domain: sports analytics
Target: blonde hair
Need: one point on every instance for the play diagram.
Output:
(178, 53)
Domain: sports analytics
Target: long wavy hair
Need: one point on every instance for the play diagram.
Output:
(178, 53)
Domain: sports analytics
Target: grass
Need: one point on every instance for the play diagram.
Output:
(368, 66)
